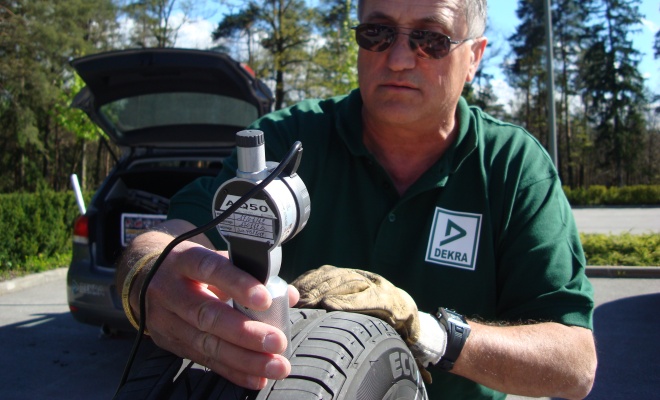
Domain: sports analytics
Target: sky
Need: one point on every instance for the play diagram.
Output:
(503, 22)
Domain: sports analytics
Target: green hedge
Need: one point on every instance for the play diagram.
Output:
(623, 196)
(35, 225)
(625, 249)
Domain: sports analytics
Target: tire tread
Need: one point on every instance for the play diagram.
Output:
(328, 350)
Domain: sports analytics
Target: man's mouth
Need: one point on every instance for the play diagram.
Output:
(399, 86)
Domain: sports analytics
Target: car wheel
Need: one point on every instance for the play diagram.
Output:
(336, 355)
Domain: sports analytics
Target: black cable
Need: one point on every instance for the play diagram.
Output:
(187, 235)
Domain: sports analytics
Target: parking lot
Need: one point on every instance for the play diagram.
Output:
(49, 355)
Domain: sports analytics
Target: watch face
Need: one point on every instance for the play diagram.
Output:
(452, 316)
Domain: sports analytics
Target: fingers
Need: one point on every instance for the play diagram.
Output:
(243, 367)
(187, 314)
(200, 264)
(200, 308)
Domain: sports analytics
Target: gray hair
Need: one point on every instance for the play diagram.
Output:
(475, 11)
(476, 16)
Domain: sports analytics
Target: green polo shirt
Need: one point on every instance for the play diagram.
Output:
(486, 231)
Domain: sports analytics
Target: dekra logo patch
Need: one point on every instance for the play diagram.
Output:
(454, 239)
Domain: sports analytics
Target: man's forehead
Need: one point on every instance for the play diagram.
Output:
(443, 12)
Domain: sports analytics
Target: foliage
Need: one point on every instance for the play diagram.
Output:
(37, 40)
(334, 57)
(601, 195)
(603, 133)
(302, 50)
(625, 249)
(568, 27)
(71, 119)
(284, 28)
(526, 72)
(34, 264)
(34, 226)
(154, 22)
(612, 87)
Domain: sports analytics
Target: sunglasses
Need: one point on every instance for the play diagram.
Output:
(426, 44)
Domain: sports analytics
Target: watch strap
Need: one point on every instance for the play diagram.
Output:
(458, 331)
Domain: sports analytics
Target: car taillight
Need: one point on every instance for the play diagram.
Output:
(81, 230)
(249, 70)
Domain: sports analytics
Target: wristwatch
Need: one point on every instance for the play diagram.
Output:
(458, 331)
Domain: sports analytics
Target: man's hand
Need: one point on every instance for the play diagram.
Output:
(354, 290)
(187, 312)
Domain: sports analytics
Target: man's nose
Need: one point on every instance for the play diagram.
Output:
(401, 55)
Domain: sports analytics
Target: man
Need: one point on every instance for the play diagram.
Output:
(453, 207)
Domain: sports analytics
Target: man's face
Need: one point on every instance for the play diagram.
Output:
(400, 89)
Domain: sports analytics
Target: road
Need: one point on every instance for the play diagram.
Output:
(49, 355)
(617, 220)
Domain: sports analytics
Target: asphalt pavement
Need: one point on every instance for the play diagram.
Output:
(47, 354)
(617, 220)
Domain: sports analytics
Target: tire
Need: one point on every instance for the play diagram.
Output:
(336, 355)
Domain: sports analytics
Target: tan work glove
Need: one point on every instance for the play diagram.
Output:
(354, 290)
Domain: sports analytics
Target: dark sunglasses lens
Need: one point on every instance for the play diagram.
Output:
(430, 44)
(374, 37)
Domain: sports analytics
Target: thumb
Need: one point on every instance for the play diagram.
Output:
(294, 295)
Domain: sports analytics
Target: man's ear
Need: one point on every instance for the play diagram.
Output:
(478, 48)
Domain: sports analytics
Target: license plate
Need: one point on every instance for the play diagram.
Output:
(134, 224)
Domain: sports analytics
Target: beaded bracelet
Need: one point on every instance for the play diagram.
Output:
(128, 285)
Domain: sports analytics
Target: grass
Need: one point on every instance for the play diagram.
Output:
(33, 264)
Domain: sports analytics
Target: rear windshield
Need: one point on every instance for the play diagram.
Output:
(164, 109)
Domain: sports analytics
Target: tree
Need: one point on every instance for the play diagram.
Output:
(154, 22)
(613, 88)
(569, 33)
(484, 97)
(282, 27)
(600, 91)
(526, 72)
(36, 43)
(334, 56)
(76, 122)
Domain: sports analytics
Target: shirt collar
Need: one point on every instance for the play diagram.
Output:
(454, 156)
(349, 123)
